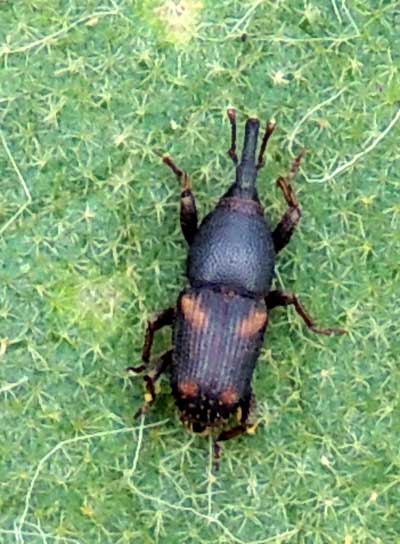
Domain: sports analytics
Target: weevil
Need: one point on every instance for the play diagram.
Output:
(221, 316)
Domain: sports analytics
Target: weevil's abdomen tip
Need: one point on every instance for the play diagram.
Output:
(200, 411)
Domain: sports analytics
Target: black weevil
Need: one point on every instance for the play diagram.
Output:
(220, 319)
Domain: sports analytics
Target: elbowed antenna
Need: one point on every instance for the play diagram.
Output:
(269, 129)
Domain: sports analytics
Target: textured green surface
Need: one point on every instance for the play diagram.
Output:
(90, 96)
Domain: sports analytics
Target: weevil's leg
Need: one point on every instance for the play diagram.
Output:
(162, 364)
(217, 455)
(244, 425)
(164, 318)
(279, 298)
(269, 129)
(291, 218)
(232, 151)
(243, 428)
(232, 433)
(188, 203)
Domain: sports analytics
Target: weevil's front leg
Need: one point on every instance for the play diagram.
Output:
(279, 298)
(162, 364)
(291, 218)
(188, 202)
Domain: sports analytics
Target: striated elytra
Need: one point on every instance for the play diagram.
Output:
(220, 318)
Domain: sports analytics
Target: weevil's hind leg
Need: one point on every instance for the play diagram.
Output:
(232, 150)
(151, 378)
(279, 298)
(188, 203)
(291, 218)
(240, 429)
(164, 318)
(269, 129)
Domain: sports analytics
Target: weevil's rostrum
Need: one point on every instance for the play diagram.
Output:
(220, 318)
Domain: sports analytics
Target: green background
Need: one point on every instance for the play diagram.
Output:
(90, 96)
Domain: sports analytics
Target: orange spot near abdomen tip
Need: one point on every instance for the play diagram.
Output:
(229, 397)
(188, 389)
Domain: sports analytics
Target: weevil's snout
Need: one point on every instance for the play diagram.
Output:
(250, 142)
(246, 169)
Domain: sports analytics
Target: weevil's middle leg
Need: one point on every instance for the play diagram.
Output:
(279, 298)
(188, 203)
(291, 218)
(164, 318)
(162, 364)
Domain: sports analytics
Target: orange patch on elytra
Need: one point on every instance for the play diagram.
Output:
(193, 312)
(229, 397)
(252, 324)
(188, 389)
